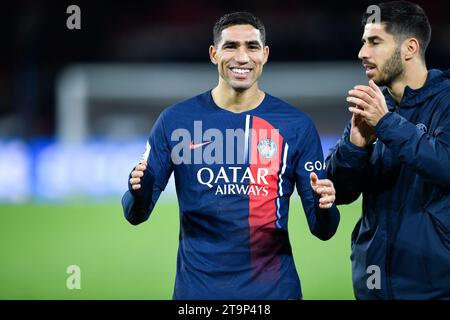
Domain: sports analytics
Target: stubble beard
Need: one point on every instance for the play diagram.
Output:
(391, 70)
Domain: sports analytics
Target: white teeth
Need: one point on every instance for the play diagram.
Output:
(241, 71)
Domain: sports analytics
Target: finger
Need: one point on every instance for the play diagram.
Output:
(326, 190)
(367, 89)
(374, 86)
(324, 183)
(327, 199)
(359, 112)
(325, 206)
(359, 102)
(136, 186)
(140, 167)
(361, 95)
(137, 174)
(313, 179)
(135, 180)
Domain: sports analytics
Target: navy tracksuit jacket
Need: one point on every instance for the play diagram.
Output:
(404, 178)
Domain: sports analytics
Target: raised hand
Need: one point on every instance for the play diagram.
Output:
(137, 174)
(368, 107)
(325, 189)
(361, 134)
(369, 103)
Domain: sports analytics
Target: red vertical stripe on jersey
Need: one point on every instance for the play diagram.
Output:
(262, 204)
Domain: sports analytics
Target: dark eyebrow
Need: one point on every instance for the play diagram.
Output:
(236, 43)
(372, 39)
(230, 43)
(253, 43)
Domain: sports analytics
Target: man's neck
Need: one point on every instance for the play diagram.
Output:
(414, 78)
(237, 101)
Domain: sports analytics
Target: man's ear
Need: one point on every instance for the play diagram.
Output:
(213, 54)
(411, 48)
(266, 54)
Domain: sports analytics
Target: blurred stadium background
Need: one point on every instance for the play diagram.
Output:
(76, 107)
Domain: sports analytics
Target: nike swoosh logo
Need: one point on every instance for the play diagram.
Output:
(197, 145)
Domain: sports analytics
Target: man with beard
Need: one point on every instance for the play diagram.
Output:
(396, 153)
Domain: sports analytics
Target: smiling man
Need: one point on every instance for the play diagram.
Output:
(396, 152)
(237, 153)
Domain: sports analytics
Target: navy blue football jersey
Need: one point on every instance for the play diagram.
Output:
(234, 175)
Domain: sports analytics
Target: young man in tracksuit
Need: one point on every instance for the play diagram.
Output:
(396, 152)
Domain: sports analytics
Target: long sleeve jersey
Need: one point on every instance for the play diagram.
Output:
(234, 174)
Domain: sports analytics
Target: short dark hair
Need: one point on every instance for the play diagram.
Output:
(404, 19)
(237, 18)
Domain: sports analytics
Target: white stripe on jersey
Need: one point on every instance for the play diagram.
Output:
(146, 153)
(247, 125)
(286, 147)
(280, 186)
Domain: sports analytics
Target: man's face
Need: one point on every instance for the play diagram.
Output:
(240, 56)
(381, 55)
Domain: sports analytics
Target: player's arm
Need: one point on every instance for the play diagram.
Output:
(316, 192)
(428, 154)
(148, 178)
(348, 160)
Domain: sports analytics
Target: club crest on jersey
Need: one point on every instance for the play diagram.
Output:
(267, 148)
(422, 127)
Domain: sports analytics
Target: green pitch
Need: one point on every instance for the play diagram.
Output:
(120, 261)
